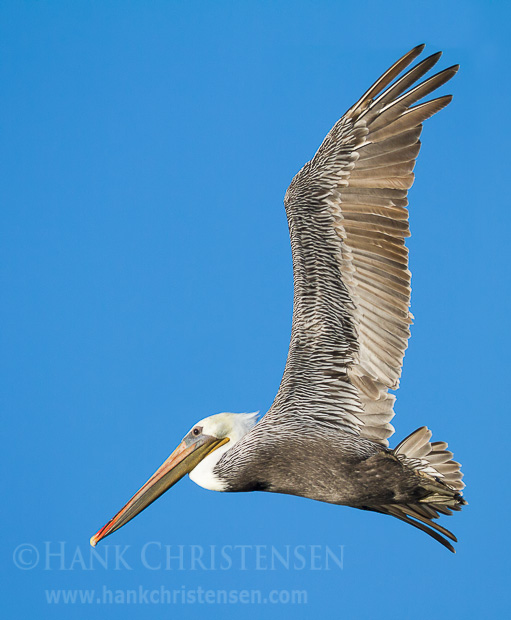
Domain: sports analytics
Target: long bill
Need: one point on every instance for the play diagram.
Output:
(185, 457)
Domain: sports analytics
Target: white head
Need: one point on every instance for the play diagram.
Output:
(197, 455)
(233, 426)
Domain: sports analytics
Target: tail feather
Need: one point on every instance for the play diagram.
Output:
(440, 485)
(430, 458)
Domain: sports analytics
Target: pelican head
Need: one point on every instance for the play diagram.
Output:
(197, 454)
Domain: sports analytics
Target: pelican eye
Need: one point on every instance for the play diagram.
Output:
(196, 431)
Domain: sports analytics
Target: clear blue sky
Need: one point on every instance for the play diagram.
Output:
(146, 283)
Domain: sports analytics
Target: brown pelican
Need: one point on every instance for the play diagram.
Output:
(325, 435)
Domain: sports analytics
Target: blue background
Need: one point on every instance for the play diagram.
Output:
(146, 283)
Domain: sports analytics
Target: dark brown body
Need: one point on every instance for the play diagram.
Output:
(341, 468)
(325, 469)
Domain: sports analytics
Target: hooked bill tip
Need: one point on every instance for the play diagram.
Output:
(93, 540)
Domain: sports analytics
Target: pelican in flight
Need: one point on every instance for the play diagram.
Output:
(325, 436)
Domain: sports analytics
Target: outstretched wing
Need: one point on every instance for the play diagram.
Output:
(348, 219)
